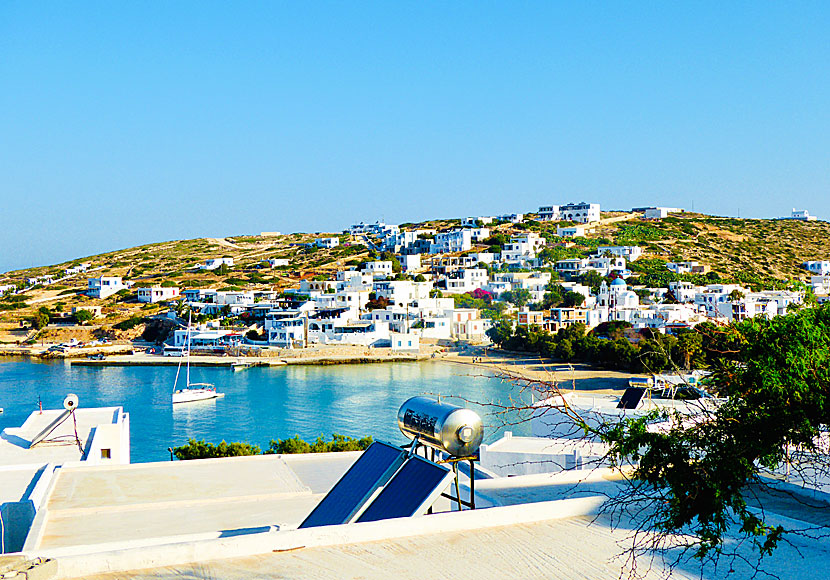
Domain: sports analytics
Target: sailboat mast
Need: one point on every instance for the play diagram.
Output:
(188, 348)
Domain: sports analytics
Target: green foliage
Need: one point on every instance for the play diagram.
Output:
(629, 234)
(83, 316)
(40, 319)
(698, 475)
(572, 299)
(129, 324)
(608, 348)
(520, 296)
(338, 443)
(202, 450)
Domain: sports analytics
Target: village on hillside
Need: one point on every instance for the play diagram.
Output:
(412, 288)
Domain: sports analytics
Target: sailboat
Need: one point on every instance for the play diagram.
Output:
(192, 391)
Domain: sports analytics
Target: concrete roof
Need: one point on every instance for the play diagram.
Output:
(15, 441)
(102, 507)
(577, 547)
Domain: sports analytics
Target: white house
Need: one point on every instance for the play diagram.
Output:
(570, 231)
(630, 253)
(684, 291)
(77, 269)
(104, 286)
(453, 241)
(465, 324)
(213, 263)
(572, 266)
(522, 248)
(514, 218)
(7, 288)
(402, 291)
(278, 262)
(410, 262)
(466, 280)
(157, 294)
(818, 267)
(479, 234)
(549, 213)
(709, 298)
(409, 342)
(473, 222)
(378, 268)
(605, 266)
(206, 335)
(657, 213)
(327, 243)
(581, 212)
(687, 267)
(802, 215)
(286, 332)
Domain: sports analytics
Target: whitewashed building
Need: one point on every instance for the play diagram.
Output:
(157, 294)
(214, 263)
(409, 342)
(570, 231)
(818, 267)
(378, 268)
(513, 218)
(630, 253)
(105, 286)
(453, 241)
(801, 215)
(327, 243)
(466, 280)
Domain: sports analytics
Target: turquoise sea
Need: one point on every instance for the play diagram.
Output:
(260, 404)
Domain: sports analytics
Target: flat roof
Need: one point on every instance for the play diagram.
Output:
(153, 502)
(15, 441)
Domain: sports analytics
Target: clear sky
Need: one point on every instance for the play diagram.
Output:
(126, 123)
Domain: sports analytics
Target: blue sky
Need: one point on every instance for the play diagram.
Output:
(127, 123)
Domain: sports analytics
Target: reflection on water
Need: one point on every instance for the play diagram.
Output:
(195, 417)
(260, 404)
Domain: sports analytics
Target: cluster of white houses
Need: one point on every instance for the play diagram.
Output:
(372, 306)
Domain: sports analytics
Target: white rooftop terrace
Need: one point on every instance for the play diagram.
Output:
(59, 446)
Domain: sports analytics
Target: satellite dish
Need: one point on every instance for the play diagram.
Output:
(70, 402)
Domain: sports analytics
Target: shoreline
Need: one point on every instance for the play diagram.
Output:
(522, 368)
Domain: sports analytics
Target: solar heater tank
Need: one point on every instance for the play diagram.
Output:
(455, 430)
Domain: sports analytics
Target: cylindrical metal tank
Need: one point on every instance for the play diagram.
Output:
(455, 430)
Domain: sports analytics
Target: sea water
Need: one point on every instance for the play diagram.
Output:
(261, 403)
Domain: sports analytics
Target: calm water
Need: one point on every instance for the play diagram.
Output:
(260, 404)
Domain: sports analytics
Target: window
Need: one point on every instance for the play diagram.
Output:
(106, 454)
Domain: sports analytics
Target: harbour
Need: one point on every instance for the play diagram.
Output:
(261, 404)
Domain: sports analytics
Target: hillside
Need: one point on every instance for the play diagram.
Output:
(756, 252)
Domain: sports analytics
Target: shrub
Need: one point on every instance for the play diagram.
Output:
(129, 324)
(202, 450)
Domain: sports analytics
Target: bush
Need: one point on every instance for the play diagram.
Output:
(338, 443)
(202, 450)
(129, 324)
(83, 316)
(40, 320)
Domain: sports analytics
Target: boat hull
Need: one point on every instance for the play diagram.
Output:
(191, 395)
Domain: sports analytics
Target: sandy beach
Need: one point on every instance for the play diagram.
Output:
(530, 370)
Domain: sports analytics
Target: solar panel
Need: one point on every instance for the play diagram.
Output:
(415, 486)
(372, 470)
(631, 398)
